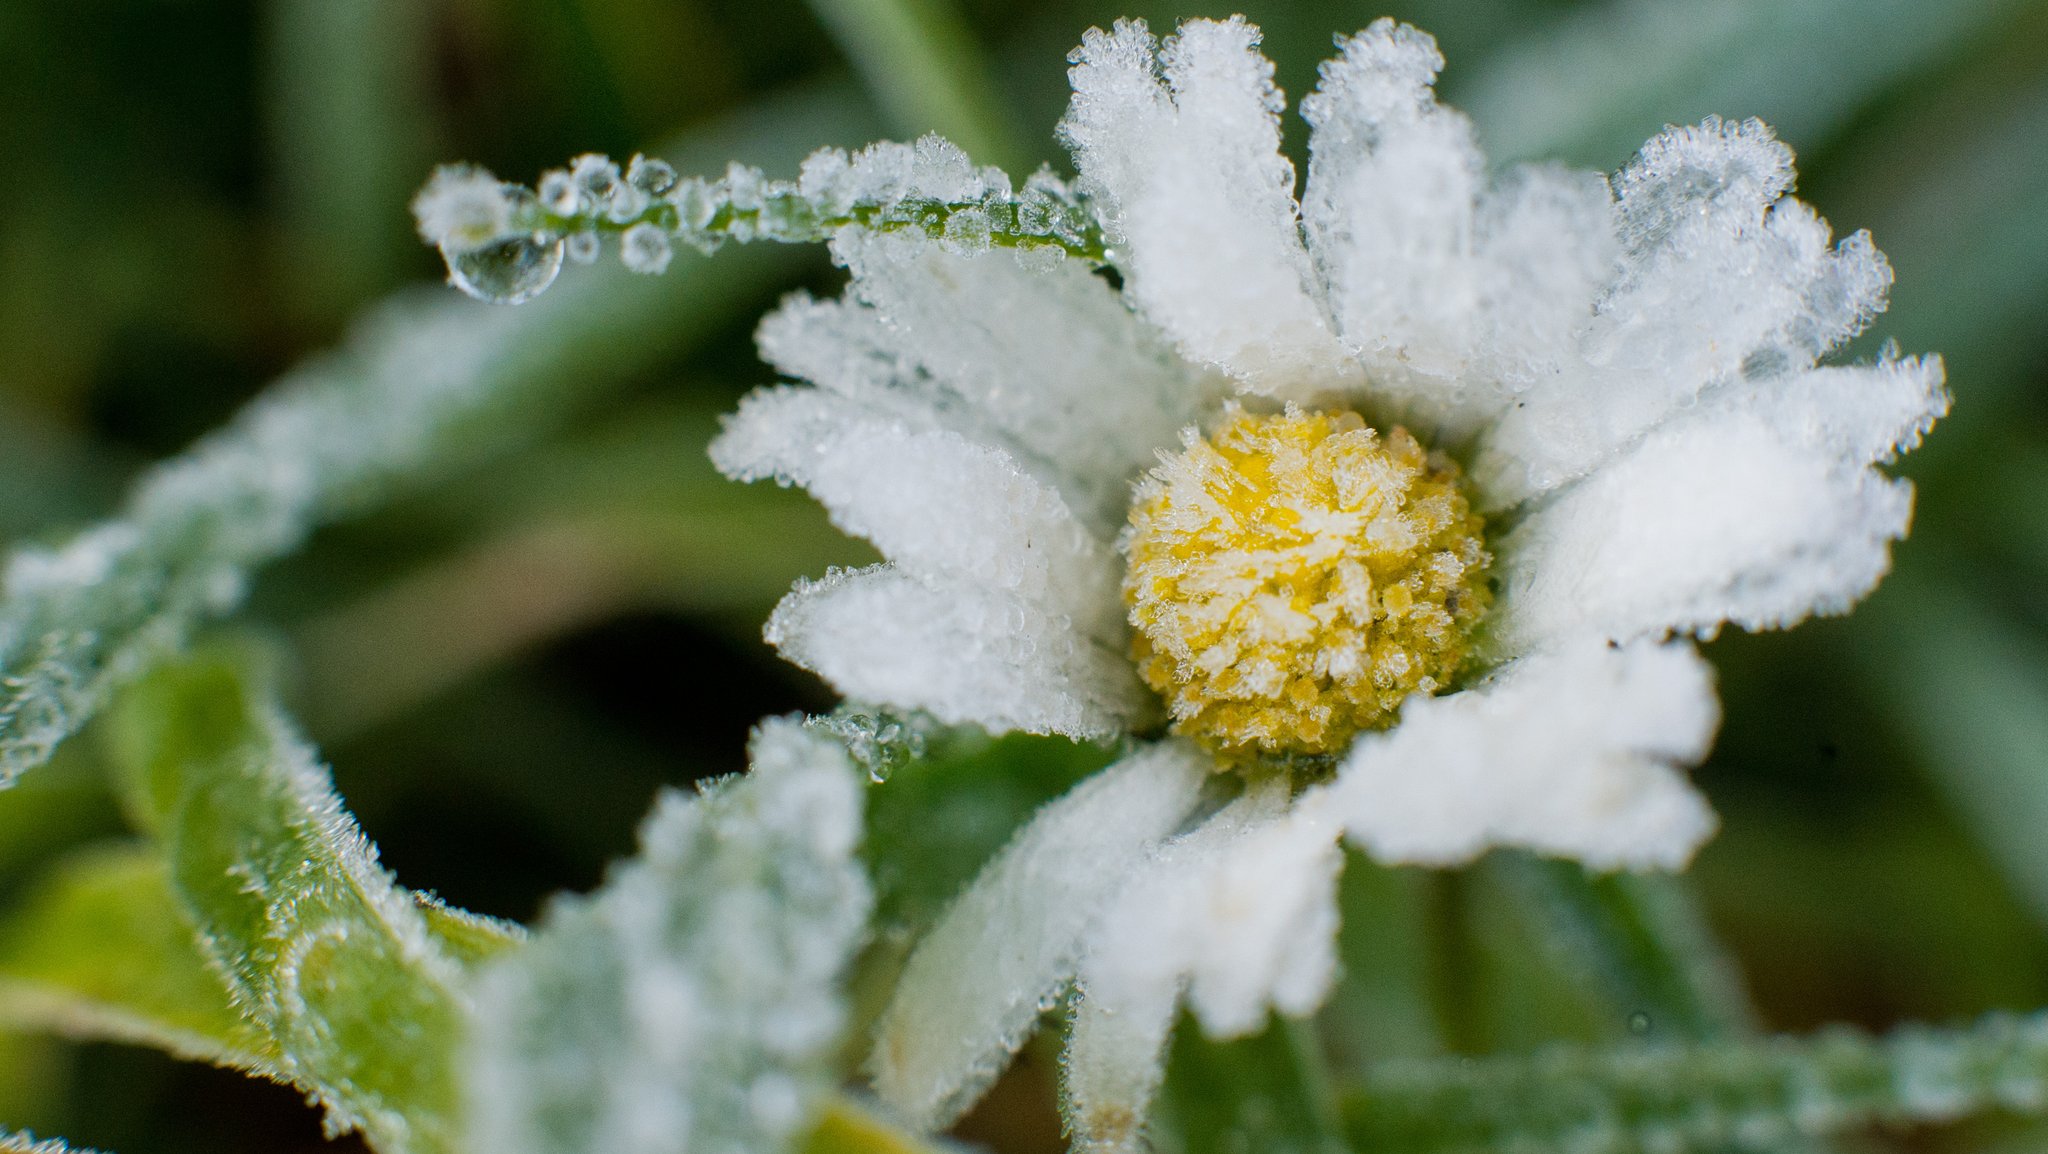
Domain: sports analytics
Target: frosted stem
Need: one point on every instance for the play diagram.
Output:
(504, 242)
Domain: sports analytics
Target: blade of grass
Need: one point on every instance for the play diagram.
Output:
(428, 385)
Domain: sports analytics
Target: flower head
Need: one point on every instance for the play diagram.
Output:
(1433, 471)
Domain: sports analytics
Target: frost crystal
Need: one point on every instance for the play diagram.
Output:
(691, 1003)
(461, 208)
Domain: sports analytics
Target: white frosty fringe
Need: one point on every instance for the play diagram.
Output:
(1570, 754)
(1720, 279)
(1453, 294)
(692, 1002)
(959, 650)
(976, 984)
(1198, 200)
(1046, 361)
(938, 505)
(1760, 508)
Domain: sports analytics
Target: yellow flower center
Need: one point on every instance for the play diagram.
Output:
(1294, 578)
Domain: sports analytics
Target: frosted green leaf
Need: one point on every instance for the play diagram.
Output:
(693, 1002)
(363, 1002)
(101, 949)
(422, 387)
(1743, 1095)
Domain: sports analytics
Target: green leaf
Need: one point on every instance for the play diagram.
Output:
(102, 949)
(1737, 1094)
(362, 1003)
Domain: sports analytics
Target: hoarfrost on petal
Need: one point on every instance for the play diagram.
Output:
(976, 984)
(1241, 913)
(693, 1001)
(1198, 200)
(1571, 754)
(959, 650)
(1453, 293)
(936, 504)
(1721, 279)
(1046, 362)
(1760, 508)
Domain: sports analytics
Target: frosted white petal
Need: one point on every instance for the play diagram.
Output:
(692, 1003)
(1721, 279)
(1046, 362)
(1570, 754)
(1181, 148)
(1760, 509)
(1132, 971)
(1454, 294)
(976, 984)
(959, 650)
(1241, 913)
(939, 506)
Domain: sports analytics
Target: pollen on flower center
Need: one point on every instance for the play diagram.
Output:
(1292, 579)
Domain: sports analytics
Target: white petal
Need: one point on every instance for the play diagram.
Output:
(977, 982)
(1721, 279)
(1199, 200)
(1569, 754)
(936, 504)
(959, 650)
(1046, 362)
(1760, 509)
(1162, 927)
(1453, 294)
(1243, 908)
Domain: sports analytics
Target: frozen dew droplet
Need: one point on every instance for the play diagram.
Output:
(507, 272)
(559, 192)
(1639, 1023)
(651, 176)
(584, 247)
(967, 232)
(645, 248)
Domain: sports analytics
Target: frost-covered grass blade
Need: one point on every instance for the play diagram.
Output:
(693, 1002)
(422, 387)
(1744, 1095)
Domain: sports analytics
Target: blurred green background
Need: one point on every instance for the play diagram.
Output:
(505, 665)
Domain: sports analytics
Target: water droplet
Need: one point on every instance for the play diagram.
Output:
(1639, 1023)
(509, 271)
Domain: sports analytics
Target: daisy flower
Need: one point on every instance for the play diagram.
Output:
(1388, 513)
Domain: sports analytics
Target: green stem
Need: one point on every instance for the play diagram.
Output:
(1637, 942)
